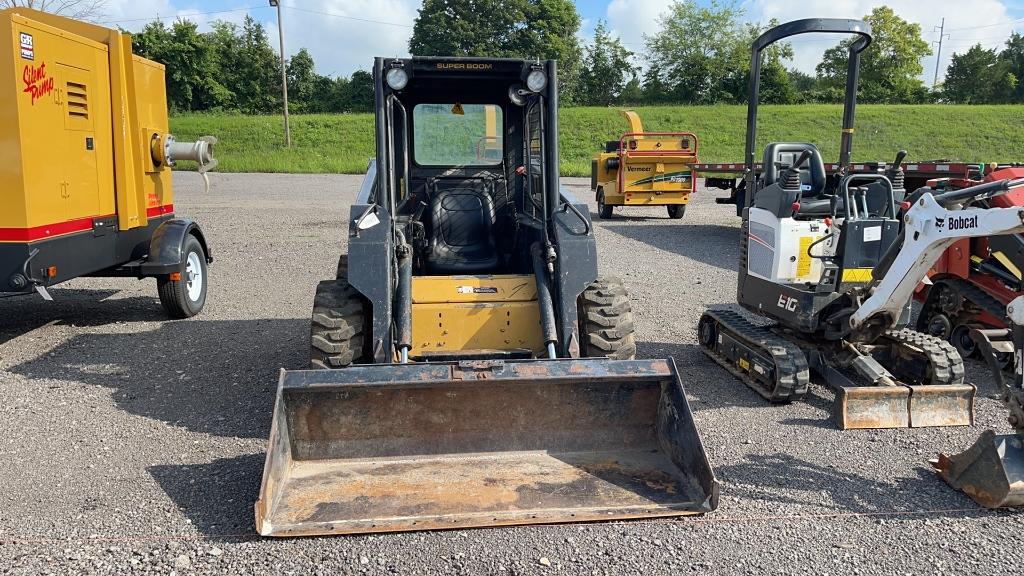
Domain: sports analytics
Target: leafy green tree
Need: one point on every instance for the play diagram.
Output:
(607, 69)
(302, 81)
(1013, 57)
(191, 61)
(694, 51)
(249, 66)
(890, 67)
(979, 76)
(358, 93)
(776, 87)
(502, 28)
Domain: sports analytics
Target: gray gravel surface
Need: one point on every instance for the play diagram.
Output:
(132, 444)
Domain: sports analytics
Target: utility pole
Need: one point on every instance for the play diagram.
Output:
(284, 75)
(938, 54)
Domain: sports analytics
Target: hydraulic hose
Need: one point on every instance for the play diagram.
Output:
(547, 306)
(403, 303)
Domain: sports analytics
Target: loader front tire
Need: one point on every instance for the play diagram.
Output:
(338, 328)
(606, 320)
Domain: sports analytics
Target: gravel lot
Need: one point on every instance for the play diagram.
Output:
(134, 444)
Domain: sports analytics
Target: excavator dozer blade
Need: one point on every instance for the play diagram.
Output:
(904, 406)
(991, 471)
(386, 448)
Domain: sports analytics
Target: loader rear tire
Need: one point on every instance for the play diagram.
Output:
(342, 267)
(676, 211)
(338, 327)
(606, 320)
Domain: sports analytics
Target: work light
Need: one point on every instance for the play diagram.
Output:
(397, 78)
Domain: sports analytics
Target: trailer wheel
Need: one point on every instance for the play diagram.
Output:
(338, 327)
(676, 211)
(603, 210)
(183, 294)
(606, 320)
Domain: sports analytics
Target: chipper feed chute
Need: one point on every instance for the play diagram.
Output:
(480, 443)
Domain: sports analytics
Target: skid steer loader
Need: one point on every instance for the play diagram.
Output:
(815, 259)
(472, 368)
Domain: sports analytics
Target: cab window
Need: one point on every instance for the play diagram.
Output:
(457, 134)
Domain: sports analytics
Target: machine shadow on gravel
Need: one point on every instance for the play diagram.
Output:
(782, 478)
(217, 497)
(712, 244)
(22, 314)
(212, 376)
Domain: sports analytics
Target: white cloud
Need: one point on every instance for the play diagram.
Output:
(963, 23)
(631, 19)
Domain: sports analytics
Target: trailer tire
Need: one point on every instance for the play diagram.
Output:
(604, 211)
(338, 326)
(186, 296)
(606, 320)
(676, 211)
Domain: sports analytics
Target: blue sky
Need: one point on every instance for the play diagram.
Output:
(344, 35)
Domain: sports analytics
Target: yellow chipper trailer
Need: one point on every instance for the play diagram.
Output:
(85, 184)
(644, 169)
(472, 367)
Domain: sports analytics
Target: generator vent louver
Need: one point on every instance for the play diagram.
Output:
(77, 100)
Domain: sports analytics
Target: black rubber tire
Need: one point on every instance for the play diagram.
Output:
(174, 293)
(603, 210)
(342, 267)
(606, 321)
(676, 211)
(338, 326)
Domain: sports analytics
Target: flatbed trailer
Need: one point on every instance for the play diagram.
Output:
(729, 176)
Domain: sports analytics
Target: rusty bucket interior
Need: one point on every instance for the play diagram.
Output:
(991, 471)
(470, 444)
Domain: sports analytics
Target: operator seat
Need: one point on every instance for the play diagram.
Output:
(461, 241)
(780, 155)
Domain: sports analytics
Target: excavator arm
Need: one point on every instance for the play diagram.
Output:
(930, 227)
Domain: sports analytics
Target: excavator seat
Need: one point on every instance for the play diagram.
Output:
(461, 239)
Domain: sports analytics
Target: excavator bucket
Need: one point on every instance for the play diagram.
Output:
(385, 448)
(904, 406)
(991, 471)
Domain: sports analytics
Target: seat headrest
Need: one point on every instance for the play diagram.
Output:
(812, 173)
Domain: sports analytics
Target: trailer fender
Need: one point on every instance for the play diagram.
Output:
(166, 244)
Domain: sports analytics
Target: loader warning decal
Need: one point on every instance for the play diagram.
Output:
(37, 83)
(28, 50)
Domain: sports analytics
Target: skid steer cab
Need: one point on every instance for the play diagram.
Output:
(86, 188)
(487, 370)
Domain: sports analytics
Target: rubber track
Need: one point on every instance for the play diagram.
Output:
(947, 367)
(792, 374)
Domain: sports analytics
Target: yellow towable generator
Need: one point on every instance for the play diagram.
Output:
(644, 169)
(85, 185)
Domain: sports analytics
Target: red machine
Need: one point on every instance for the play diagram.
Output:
(976, 278)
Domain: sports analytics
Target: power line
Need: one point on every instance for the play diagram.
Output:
(938, 56)
(1004, 23)
(345, 16)
(186, 15)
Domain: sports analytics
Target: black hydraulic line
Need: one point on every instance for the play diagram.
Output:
(403, 302)
(547, 305)
(979, 192)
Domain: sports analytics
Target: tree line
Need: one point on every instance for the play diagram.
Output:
(699, 55)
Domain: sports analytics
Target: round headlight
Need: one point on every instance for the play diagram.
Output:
(397, 78)
(536, 81)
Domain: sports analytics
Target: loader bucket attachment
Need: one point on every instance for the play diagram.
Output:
(387, 448)
(991, 471)
(904, 406)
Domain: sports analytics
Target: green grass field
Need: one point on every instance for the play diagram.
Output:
(343, 143)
